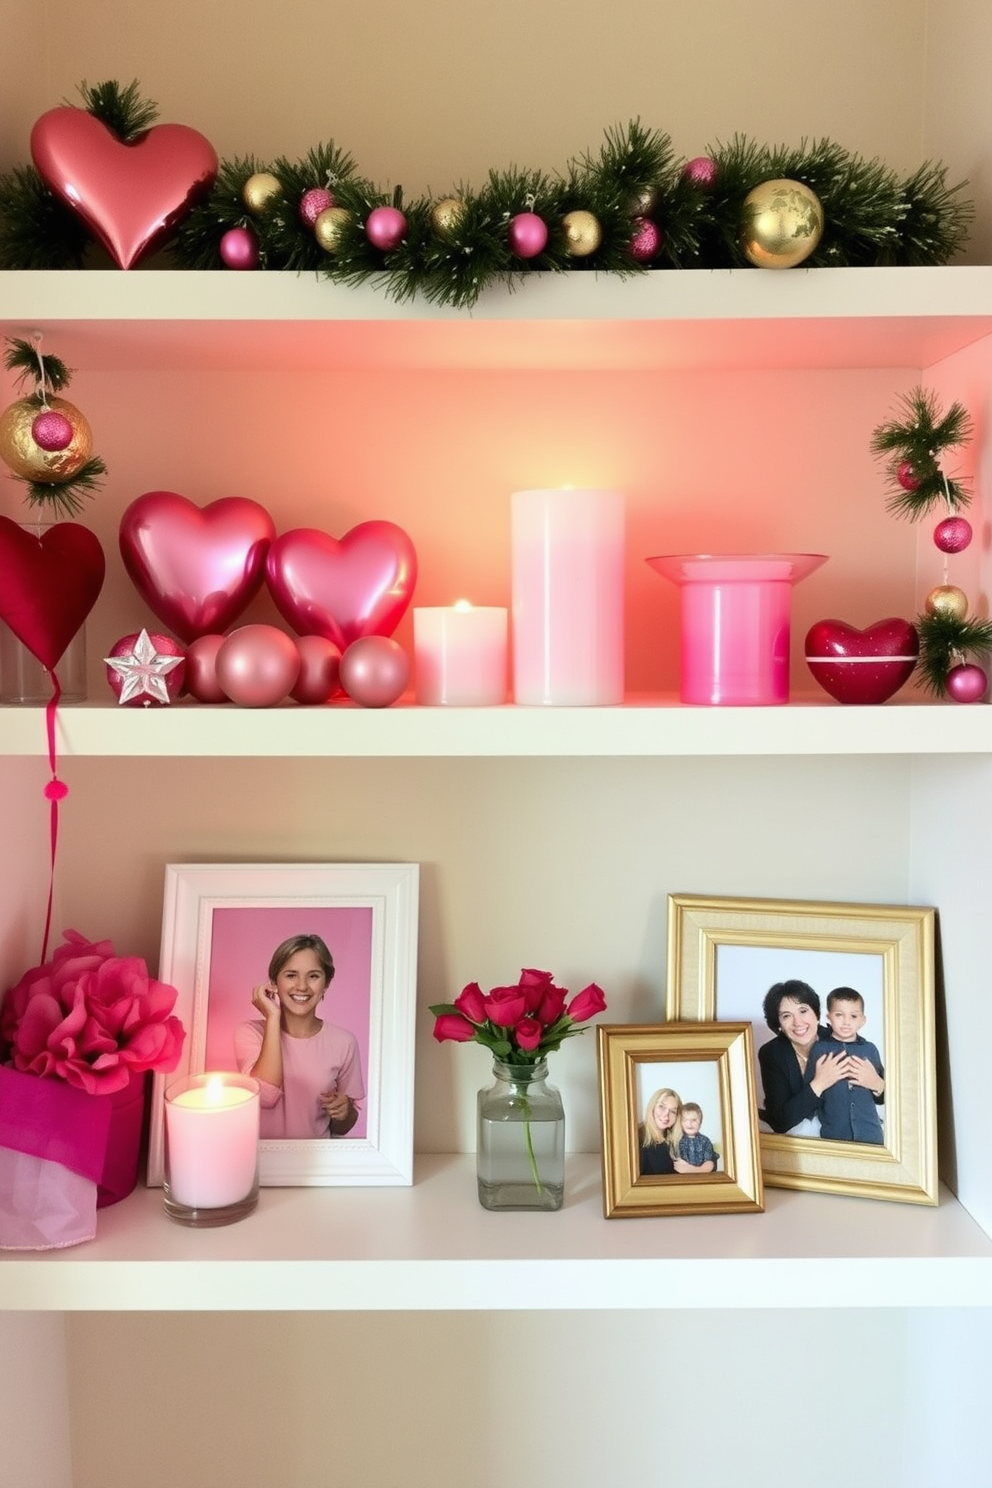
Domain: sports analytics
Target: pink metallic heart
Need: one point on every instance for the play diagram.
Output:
(131, 196)
(195, 568)
(343, 589)
(48, 584)
(862, 666)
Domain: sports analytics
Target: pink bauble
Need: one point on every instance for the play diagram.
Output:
(385, 228)
(952, 535)
(239, 249)
(701, 171)
(375, 671)
(527, 235)
(907, 477)
(257, 666)
(314, 201)
(201, 669)
(52, 431)
(646, 240)
(320, 664)
(967, 683)
(148, 683)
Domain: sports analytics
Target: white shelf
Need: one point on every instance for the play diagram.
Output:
(724, 319)
(643, 727)
(432, 1247)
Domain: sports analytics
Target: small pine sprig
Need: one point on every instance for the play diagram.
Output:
(24, 359)
(64, 496)
(911, 448)
(944, 644)
(123, 110)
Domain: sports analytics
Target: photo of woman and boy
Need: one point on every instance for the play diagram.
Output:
(671, 1139)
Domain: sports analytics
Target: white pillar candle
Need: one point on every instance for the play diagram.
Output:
(460, 655)
(568, 609)
(211, 1139)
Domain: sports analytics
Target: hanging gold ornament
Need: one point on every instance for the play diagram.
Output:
(447, 216)
(948, 601)
(258, 189)
(583, 233)
(329, 229)
(782, 224)
(27, 459)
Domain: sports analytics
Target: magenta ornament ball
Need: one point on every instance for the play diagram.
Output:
(385, 228)
(314, 201)
(239, 249)
(952, 535)
(967, 683)
(201, 669)
(527, 235)
(646, 240)
(701, 171)
(52, 431)
(375, 671)
(320, 666)
(257, 666)
(907, 477)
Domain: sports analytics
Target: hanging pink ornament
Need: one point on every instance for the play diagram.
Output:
(239, 249)
(646, 240)
(385, 228)
(907, 477)
(952, 535)
(49, 582)
(314, 201)
(701, 171)
(375, 671)
(527, 235)
(201, 669)
(966, 683)
(257, 666)
(52, 431)
(320, 665)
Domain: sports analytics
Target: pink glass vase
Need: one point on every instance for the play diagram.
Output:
(736, 610)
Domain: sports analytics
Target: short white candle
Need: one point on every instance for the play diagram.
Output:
(568, 597)
(211, 1133)
(460, 655)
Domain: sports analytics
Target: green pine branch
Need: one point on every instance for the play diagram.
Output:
(125, 113)
(25, 360)
(914, 445)
(944, 644)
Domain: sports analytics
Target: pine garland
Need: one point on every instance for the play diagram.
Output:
(871, 216)
(944, 644)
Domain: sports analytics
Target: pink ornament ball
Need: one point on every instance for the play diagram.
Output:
(952, 535)
(239, 249)
(527, 235)
(257, 666)
(907, 477)
(966, 683)
(320, 666)
(201, 669)
(51, 431)
(375, 671)
(385, 228)
(314, 201)
(646, 240)
(701, 171)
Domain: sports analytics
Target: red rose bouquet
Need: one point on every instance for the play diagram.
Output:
(520, 1024)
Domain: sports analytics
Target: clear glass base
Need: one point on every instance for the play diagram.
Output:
(206, 1219)
(520, 1159)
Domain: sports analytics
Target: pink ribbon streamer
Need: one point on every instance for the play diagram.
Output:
(55, 791)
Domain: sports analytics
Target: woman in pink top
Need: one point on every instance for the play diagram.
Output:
(309, 1071)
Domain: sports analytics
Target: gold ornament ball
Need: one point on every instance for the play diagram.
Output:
(329, 228)
(782, 224)
(947, 601)
(447, 216)
(27, 459)
(258, 189)
(583, 233)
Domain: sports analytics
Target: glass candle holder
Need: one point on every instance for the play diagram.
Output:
(211, 1149)
(460, 655)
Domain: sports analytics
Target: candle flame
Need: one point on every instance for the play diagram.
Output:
(462, 604)
(214, 1090)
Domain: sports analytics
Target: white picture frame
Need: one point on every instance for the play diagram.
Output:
(376, 905)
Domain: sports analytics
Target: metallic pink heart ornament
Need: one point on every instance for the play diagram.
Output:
(342, 589)
(195, 567)
(131, 196)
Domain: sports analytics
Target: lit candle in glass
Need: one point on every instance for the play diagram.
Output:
(460, 655)
(211, 1148)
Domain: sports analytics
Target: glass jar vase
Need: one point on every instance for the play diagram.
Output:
(521, 1139)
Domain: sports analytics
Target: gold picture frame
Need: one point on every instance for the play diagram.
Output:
(725, 956)
(714, 1065)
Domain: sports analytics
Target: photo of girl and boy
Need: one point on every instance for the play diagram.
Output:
(671, 1135)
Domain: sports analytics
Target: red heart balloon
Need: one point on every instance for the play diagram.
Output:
(49, 582)
(343, 589)
(862, 666)
(130, 195)
(195, 568)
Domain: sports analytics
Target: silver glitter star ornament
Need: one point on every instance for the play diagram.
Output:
(144, 670)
